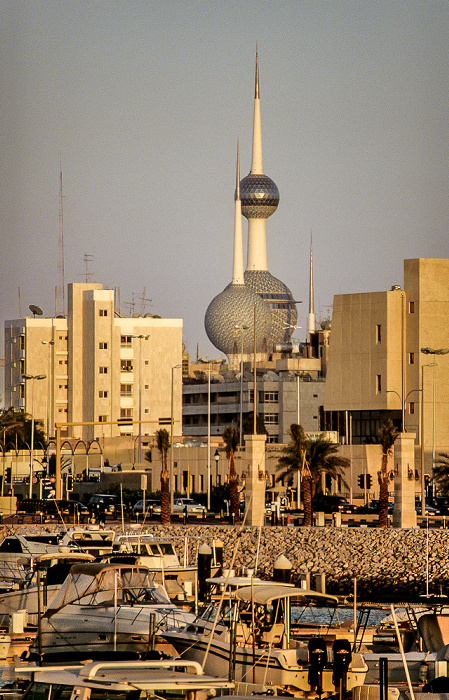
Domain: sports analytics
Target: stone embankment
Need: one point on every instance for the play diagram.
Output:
(384, 561)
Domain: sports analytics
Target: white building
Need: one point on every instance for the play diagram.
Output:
(98, 367)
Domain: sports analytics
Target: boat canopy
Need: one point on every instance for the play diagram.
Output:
(264, 595)
(100, 583)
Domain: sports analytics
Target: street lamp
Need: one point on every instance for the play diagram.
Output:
(423, 486)
(50, 343)
(172, 464)
(433, 351)
(33, 377)
(241, 329)
(140, 337)
(392, 391)
(216, 457)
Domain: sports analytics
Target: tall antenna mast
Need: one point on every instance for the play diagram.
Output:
(60, 287)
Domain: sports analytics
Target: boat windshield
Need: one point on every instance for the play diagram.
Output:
(57, 691)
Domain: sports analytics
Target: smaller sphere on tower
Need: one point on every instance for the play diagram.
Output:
(259, 196)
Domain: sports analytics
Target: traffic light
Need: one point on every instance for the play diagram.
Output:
(361, 480)
(368, 481)
(69, 483)
(8, 475)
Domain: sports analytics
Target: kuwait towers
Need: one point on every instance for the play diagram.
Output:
(255, 293)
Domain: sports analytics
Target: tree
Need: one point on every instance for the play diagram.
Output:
(231, 441)
(15, 429)
(248, 424)
(313, 458)
(163, 445)
(441, 473)
(388, 434)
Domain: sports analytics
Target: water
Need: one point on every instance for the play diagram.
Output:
(327, 616)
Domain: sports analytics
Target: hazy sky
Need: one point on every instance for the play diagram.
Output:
(144, 101)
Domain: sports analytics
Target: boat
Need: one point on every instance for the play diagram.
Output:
(17, 554)
(51, 569)
(122, 681)
(251, 642)
(92, 539)
(104, 610)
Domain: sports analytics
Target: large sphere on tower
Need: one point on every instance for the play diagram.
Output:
(233, 308)
(280, 301)
(259, 196)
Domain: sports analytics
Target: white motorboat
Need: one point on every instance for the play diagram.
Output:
(52, 570)
(17, 554)
(123, 681)
(252, 644)
(103, 610)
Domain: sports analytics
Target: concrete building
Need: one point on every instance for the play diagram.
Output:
(98, 367)
(376, 366)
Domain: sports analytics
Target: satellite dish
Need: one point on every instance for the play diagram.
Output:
(35, 310)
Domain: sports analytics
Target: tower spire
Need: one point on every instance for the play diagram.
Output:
(311, 318)
(237, 277)
(60, 285)
(256, 165)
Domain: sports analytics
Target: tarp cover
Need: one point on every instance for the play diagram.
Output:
(95, 584)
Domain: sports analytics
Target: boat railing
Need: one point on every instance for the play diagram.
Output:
(92, 670)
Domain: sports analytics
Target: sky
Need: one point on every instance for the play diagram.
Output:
(141, 104)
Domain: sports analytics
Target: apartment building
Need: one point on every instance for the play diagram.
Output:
(95, 366)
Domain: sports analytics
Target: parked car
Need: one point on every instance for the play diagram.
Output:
(331, 504)
(180, 504)
(66, 507)
(374, 506)
(105, 502)
(151, 506)
(429, 510)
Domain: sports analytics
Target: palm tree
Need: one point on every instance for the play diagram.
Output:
(15, 428)
(231, 441)
(313, 458)
(388, 434)
(163, 445)
(441, 473)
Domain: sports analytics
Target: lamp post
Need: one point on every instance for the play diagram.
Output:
(216, 457)
(140, 337)
(50, 343)
(392, 391)
(208, 437)
(32, 377)
(172, 420)
(241, 329)
(423, 485)
(433, 352)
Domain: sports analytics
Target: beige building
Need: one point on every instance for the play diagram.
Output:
(98, 367)
(377, 369)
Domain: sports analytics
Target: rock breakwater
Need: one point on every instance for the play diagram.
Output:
(384, 561)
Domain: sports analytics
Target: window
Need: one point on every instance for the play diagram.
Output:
(102, 419)
(103, 394)
(378, 333)
(103, 312)
(126, 413)
(103, 370)
(147, 362)
(126, 365)
(378, 384)
(22, 342)
(273, 438)
(126, 341)
(411, 358)
(22, 366)
(411, 307)
(126, 389)
(412, 407)
(22, 391)
(103, 346)
(147, 386)
(271, 418)
(271, 397)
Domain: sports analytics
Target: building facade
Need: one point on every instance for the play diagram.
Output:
(377, 367)
(96, 367)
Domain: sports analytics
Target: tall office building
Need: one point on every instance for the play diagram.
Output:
(98, 367)
(254, 297)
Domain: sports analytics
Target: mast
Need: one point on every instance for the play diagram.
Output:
(237, 277)
(60, 288)
(311, 317)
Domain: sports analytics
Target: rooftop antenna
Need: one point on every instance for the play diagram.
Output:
(131, 305)
(60, 287)
(143, 300)
(35, 310)
(87, 259)
(311, 319)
